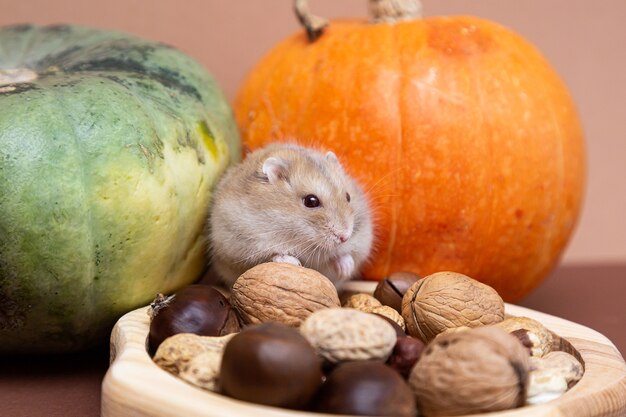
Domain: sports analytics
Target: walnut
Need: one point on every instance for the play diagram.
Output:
(534, 335)
(474, 371)
(551, 376)
(175, 352)
(448, 299)
(281, 292)
(346, 334)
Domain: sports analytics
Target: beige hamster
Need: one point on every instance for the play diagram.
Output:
(286, 203)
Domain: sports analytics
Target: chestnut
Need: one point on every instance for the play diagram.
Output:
(365, 388)
(390, 290)
(271, 364)
(405, 354)
(198, 309)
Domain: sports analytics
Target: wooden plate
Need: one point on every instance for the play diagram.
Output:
(135, 386)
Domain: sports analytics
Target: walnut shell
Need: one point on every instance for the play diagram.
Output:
(281, 292)
(475, 371)
(534, 335)
(175, 352)
(448, 299)
(346, 334)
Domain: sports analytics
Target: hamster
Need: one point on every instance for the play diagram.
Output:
(287, 203)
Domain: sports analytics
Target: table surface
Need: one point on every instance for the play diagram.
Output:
(69, 385)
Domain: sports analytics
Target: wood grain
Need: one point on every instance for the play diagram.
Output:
(135, 387)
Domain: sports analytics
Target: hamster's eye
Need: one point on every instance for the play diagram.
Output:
(311, 201)
(348, 197)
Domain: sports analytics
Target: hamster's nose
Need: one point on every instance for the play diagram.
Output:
(343, 236)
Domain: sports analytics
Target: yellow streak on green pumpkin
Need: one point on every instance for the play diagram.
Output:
(208, 138)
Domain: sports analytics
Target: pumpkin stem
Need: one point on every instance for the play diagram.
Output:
(382, 11)
(314, 25)
(390, 11)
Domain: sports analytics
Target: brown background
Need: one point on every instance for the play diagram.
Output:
(585, 41)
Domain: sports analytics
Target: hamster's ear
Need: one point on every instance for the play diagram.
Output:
(331, 156)
(275, 169)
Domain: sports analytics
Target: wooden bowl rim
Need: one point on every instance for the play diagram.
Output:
(134, 385)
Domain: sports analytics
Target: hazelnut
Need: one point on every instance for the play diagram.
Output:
(175, 353)
(405, 354)
(282, 293)
(362, 302)
(399, 330)
(367, 389)
(390, 313)
(271, 364)
(369, 304)
(346, 334)
(448, 299)
(533, 335)
(474, 371)
(390, 290)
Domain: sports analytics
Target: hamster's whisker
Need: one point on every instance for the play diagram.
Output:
(296, 241)
(388, 174)
(311, 243)
(312, 247)
(273, 231)
(264, 250)
(308, 251)
(381, 196)
(318, 254)
(314, 252)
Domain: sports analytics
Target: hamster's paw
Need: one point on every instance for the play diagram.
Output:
(288, 259)
(344, 266)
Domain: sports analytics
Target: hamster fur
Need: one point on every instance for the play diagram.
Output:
(286, 203)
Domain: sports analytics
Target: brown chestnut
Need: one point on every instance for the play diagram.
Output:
(390, 290)
(271, 364)
(198, 309)
(365, 388)
(405, 354)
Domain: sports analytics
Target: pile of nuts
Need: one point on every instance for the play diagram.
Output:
(438, 345)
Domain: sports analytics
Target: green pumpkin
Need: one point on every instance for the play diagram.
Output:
(110, 147)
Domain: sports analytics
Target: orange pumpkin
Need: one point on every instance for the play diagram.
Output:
(465, 138)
